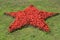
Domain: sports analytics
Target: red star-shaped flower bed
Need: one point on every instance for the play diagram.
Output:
(31, 16)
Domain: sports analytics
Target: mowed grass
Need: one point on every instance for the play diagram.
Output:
(30, 32)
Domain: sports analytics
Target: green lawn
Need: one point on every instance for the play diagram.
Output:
(29, 33)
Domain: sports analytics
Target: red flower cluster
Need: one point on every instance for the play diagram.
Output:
(31, 16)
